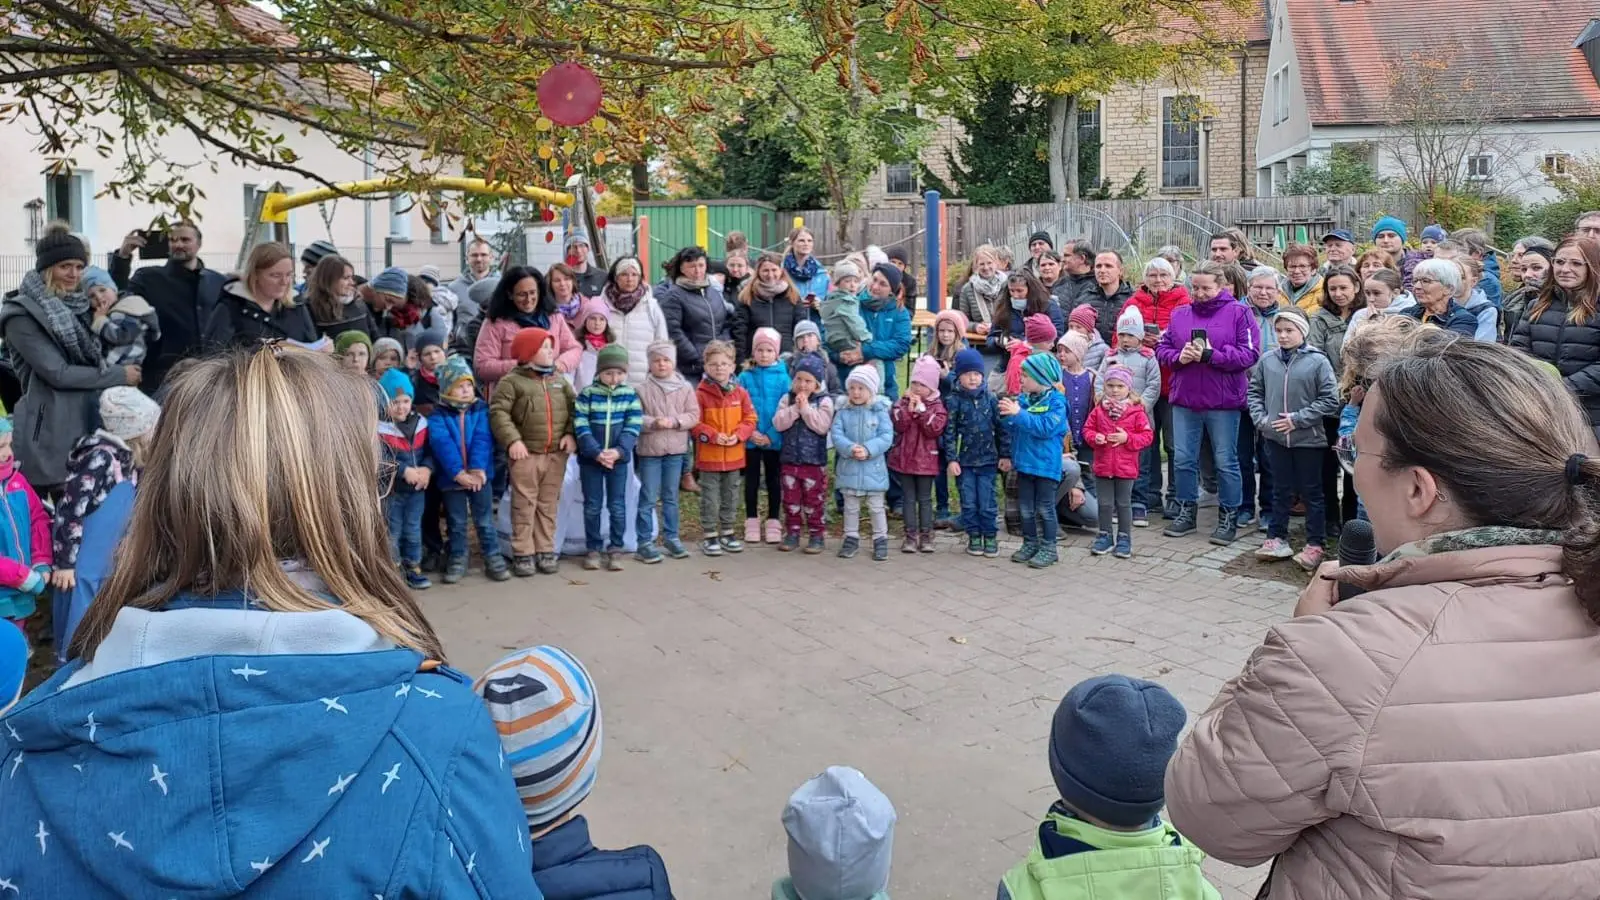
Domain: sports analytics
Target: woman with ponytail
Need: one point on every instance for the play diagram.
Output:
(1435, 734)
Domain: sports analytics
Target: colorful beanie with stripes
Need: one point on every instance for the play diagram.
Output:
(544, 706)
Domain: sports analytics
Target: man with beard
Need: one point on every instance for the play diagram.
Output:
(183, 293)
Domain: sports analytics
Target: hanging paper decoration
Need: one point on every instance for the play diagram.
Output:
(600, 222)
(549, 237)
(569, 94)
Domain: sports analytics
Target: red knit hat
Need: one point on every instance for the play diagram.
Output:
(527, 342)
(1038, 329)
(1084, 316)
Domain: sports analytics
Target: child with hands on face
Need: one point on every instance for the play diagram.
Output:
(805, 418)
(404, 436)
(1118, 428)
(919, 419)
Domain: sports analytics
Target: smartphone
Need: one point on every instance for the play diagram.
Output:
(1197, 334)
(155, 245)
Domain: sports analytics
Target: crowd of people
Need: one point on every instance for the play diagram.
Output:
(1054, 395)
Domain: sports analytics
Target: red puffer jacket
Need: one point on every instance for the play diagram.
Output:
(1121, 461)
(916, 436)
(1158, 311)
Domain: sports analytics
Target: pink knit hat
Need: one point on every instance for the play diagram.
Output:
(591, 306)
(1038, 329)
(769, 337)
(953, 316)
(1119, 373)
(1077, 343)
(925, 371)
(1084, 316)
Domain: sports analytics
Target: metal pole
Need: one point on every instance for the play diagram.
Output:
(643, 241)
(931, 247)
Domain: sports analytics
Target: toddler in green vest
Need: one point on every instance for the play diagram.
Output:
(1109, 746)
(841, 834)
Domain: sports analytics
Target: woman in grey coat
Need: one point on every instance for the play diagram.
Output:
(45, 328)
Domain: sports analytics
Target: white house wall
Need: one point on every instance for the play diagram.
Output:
(1278, 141)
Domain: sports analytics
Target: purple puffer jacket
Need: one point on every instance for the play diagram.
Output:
(1222, 381)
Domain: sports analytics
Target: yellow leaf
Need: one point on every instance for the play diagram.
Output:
(568, 146)
(542, 124)
(545, 152)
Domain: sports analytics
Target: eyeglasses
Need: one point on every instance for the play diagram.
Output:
(1423, 279)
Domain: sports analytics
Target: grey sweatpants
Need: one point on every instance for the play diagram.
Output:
(852, 514)
(1121, 491)
(719, 501)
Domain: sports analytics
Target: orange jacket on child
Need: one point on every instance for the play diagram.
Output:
(722, 411)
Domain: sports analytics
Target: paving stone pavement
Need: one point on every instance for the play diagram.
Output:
(727, 682)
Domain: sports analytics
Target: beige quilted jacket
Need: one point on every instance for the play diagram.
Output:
(1436, 738)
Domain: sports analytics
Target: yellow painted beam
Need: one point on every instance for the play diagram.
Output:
(276, 205)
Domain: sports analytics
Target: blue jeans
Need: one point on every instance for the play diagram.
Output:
(403, 509)
(606, 489)
(658, 480)
(477, 505)
(1036, 499)
(941, 489)
(979, 511)
(1222, 426)
(1086, 466)
(1254, 461)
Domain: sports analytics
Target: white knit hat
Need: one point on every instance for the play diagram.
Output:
(1131, 322)
(868, 375)
(127, 413)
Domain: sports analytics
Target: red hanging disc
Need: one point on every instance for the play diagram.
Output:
(569, 94)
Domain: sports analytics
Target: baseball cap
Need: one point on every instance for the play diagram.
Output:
(1338, 234)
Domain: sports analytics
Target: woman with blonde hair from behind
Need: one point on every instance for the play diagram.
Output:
(1435, 734)
(257, 705)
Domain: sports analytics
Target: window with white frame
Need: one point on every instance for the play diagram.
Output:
(900, 178)
(1281, 95)
(1089, 134)
(1180, 142)
(1272, 97)
(1480, 167)
(68, 197)
(1558, 163)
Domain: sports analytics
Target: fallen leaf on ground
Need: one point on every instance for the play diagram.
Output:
(957, 639)
(713, 575)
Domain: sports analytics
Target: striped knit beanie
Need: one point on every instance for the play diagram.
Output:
(543, 703)
(1043, 368)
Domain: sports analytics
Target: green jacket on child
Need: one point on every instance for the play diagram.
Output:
(1074, 860)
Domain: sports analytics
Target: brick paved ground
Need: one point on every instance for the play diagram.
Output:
(727, 682)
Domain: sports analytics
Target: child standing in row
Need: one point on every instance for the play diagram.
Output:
(805, 418)
(1078, 385)
(808, 342)
(533, 418)
(463, 448)
(670, 411)
(766, 381)
(1118, 429)
(1037, 426)
(727, 419)
(862, 434)
(919, 420)
(404, 436)
(25, 549)
(1292, 390)
(1140, 361)
(949, 338)
(594, 334)
(430, 356)
(607, 423)
(974, 441)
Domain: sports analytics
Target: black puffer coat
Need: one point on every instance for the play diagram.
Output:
(752, 311)
(1573, 349)
(1106, 309)
(695, 318)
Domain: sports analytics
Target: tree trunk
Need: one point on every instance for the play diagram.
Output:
(1064, 148)
(640, 172)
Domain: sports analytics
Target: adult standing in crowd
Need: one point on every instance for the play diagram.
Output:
(1302, 283)
(309, 257)
(1476, 242)
(519, 301)
(330, 294)
(1025, 297)
(1338, 249)
(1109, 294)
(562, 283)
(803, 268)
(908, 279)
(480, 264)
(1038, 243)
(591, 278)
(1537, 256)
(256, 644)
(182, 291)
(1231, 247)
(635, 315)
(58, 360)
(1431, 737)
(1077, 274)
(1389, 237)
(1562, 325)
(257, 305)
(1052, 276)
(1210, 346)
(1435, 283)
(768, 300)
(887, 318)
(695, 313)
(1587, 225)
(1156, 299)
(1342, 298)
(980, 298)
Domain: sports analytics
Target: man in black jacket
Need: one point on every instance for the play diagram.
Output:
(1077, 272)
(183, 293)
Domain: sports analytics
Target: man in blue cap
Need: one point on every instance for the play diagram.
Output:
(1339, 249)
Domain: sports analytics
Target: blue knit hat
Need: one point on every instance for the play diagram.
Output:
(1389, 223)
(395, 382)
(13, 663)
(5, 426)
(544, 705)
(1110, 743)
(811, 364)
(968, 360)
(390, 281)
(1043, 368)
(94, 276)
(1435, 233)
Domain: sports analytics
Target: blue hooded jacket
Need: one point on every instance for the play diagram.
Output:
(1037, 433)
(766, 385)
(264, 765)
(460, 440)
(870, 427)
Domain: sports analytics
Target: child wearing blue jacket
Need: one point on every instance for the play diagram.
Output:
(408, 470)
(974, 442)
(462, 447)
(862, 435)
(607, 418)
(766, 381)
(1037, 424)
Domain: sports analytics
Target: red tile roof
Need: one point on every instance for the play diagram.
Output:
(1345, 48)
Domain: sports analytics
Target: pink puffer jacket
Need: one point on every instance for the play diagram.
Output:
(492, 359)
(1436, 738)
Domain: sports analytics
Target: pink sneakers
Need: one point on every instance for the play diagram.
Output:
(1309, 558)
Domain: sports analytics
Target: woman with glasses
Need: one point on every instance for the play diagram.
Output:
(1432, 735)
(1435, 284)
(1301, 283)
(1561, 326)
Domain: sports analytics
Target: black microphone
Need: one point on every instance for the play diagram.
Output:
(1357, 547)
